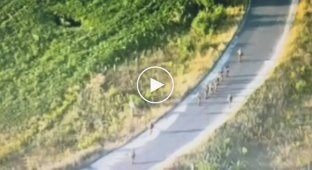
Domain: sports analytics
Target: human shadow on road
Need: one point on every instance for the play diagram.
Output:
(257, 16)
(238, 81)
(243, 75)
(146, 162)
(270, 3)
(224, 95)
(182, 131)
(217, 112)
(255, 60)
(269, 23)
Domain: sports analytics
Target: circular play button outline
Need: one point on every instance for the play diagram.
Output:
(155, 67)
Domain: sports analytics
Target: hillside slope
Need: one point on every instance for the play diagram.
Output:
(68, 70)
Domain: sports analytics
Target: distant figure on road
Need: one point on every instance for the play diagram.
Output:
(240, 54)
(230, 99)
(207, 93)
(218, 79)
(215, 86)
(227, 70)
(198, 98)
(132, 156)
(210, 89)
(151, 127)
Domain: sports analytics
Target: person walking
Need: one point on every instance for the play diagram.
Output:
(207, 91)
(227, 70)
(198, 98)
(230, 99)
(222, 73)
(218, 79)
(215, 86)
(133, 155)
(210, 89)
(240, 55)
(151, 127)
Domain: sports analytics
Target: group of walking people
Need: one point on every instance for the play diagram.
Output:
(211, 87)
(209, 90)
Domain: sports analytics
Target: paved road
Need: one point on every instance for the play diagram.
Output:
(267, 23)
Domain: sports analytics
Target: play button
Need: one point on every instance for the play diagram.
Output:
(155, 84)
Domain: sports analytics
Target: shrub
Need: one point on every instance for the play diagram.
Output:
(218, 14)
(136, 101)
(185, 47)
(301, 85)
(230, 2)
(90, 140)
(200, 23)
(205, 3)
(205, 21)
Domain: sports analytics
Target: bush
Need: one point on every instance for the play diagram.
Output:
(218, 14)
(200, 23)
(185, 47)
(301, 85)
(205, 3)
(230, 2)
(205, 21)
(136, 101)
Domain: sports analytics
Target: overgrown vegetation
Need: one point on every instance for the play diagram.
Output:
(68, 70)
(274, 129)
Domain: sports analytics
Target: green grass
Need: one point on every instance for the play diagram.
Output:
(41, 60)
(273, 130)
(68, 70)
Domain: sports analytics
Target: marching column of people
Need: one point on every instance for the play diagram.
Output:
(211, 87)
(209, 90)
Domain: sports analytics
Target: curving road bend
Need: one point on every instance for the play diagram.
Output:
(266, 26)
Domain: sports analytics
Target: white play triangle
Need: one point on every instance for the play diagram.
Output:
(154, 84)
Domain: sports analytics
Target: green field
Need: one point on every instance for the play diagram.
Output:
(44, 55)
(274, 128)
(67, 68)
